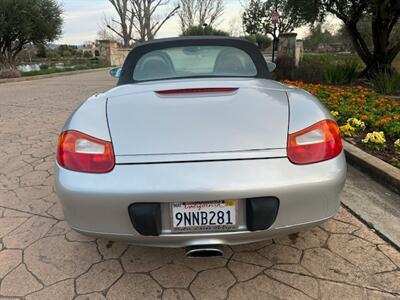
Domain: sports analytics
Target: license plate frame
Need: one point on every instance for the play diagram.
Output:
(208, 206)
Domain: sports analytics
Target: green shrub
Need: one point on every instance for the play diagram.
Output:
(341, 72)
(263, 41)
(87, 54)
(307, 71)
(392, 129)
(386, 83)
(44, 67)
(54, 70)
(203, 30)
(318, 70)
(333, 58)
(285, 68)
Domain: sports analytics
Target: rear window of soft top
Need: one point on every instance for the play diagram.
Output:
(194, 61)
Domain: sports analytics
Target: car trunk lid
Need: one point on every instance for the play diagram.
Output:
(198, 121)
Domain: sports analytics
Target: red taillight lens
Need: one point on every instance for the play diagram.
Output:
(316, 143)
(77, 151)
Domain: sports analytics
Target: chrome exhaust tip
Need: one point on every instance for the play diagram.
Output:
(204, 251)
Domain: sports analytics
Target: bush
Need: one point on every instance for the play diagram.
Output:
(392, 128)
(203, 30)
(87, 54)
(307, 71)
(44, 67)
(386, 83)
(318, 71)
(285, 68)
(341, 72)
(333, 58)
(263, 41)
(9, 73)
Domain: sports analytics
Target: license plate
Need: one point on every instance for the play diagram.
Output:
(204, 216)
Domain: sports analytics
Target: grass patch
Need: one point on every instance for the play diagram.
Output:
(343, 72)
(55, 70)
(335, 58)
(387, 83)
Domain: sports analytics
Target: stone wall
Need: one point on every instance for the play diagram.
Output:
(111, 54)
(290, 47)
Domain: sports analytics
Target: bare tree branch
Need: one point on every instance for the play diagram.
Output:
(125, 22)
(170, 15)
(139, 19)
(200, 12)
(145, 17)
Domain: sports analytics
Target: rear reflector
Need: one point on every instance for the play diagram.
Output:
(316, 143)
(197, 91)
(79, 152)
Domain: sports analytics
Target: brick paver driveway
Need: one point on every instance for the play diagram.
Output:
(41, 258)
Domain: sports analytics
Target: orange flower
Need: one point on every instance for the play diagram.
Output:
(383, 121)
(364, 117)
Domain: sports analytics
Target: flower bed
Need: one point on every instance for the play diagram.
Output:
(370, 120)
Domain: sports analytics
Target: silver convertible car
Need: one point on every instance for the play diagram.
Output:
(197, 147)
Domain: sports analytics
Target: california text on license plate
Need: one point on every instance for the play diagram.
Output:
(204, 216)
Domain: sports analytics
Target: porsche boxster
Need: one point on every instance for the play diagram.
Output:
(197, 146)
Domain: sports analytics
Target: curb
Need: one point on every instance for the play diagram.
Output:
(378, 231)
(37, 77)
(376, 168)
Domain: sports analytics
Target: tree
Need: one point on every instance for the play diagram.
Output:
(199, 12)
(147, 25)
(139, 18)
(203, 30)
(26, 22)
(67, 50)
(125, 22)
(41, 51)
(107, 35)
(384, 14)
(319, 37)
(365, 29)
(257, 17)
(263, 41)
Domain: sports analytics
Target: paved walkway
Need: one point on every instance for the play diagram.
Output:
(41, 258)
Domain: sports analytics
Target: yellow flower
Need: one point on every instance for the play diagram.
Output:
(334, 113)
(397, 146)
(356, 123)
(347, 130)
(375, 138)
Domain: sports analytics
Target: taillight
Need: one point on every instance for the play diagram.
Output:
(77, 151)
(316, 143)
(197, 91)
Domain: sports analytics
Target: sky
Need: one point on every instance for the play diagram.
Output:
(83, 19)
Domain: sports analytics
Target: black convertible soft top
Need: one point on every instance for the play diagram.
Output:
(142, 49)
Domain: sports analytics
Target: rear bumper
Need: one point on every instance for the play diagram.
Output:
(97, 204)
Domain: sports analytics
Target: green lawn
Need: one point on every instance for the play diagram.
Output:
(331, 57)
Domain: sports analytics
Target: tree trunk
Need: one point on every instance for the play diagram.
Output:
(380, 60)
(7, 61)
